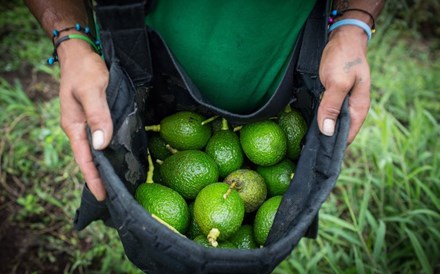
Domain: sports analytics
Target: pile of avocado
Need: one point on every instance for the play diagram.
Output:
(217, 185)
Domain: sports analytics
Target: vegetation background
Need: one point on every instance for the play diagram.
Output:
(382, 217)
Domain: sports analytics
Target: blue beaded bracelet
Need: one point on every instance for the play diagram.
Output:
(86, 30)
(95, 45)
(89, 38)
(353, 22)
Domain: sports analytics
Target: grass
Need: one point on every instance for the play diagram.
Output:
(22, 39)
(383, 216)
(46, 190)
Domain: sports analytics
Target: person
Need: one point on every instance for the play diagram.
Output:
(84, 76)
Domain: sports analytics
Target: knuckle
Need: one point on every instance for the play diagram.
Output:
(364, 80)
(65, 125)
(341, 85)
(95, 88)
(332, 111)
(84, 91)
(329, 110)
(94, 117)
(367, 105)
(362, 103)
(83, 163)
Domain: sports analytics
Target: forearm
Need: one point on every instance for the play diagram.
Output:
(56, 14)
(374, 7)
(363, 10)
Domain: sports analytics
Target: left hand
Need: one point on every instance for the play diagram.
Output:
(344, 70)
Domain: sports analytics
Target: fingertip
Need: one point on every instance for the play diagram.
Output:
(350, 138)
(99, 120)
(83, 158)
(101, 139)
(100, 196)
(328, 112)
(101, 135)
(97, 188)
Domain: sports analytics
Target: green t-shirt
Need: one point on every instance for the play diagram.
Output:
(235, 51)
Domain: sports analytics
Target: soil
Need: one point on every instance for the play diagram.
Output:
(19, 242)
(20, 246)
(39, 86)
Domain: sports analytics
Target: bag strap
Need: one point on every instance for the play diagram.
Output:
(314, 39)
(122, 26)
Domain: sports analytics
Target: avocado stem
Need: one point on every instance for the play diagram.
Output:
(225, 124)
(287, 109)
(213, 234)
(155, 128)
(159, 161)
(150, 170)
(231, 187)
(171, 149)
(209, 120)
(166, 224)
(237, 128)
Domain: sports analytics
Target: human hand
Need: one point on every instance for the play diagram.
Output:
(344, 70)
(84, 79)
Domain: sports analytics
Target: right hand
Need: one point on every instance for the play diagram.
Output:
(84, 79)
(344, 70)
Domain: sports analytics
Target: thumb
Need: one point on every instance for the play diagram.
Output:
(98, 118)
(329, 110)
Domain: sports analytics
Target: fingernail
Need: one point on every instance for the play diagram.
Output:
(98, 139)
(328, 127)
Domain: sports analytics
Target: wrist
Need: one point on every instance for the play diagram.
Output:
(61, 37)
(361, 18)
(359, 15)
(353, 26)
(350, 34)
(73, 48)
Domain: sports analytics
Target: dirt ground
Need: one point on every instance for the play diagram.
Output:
(38, 86)
(19, 242)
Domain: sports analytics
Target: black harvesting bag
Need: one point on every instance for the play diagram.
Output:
(146, 84)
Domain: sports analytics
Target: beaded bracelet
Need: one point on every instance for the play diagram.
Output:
(77, 27)
(54, 58)
(353, 22)
(336, 13)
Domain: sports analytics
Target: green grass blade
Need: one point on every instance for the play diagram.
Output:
(419, 252)
(337, 221)
(364, 206)
(379, 242)
(360, 268)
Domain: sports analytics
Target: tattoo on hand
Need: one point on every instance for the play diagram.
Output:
(351, 64)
